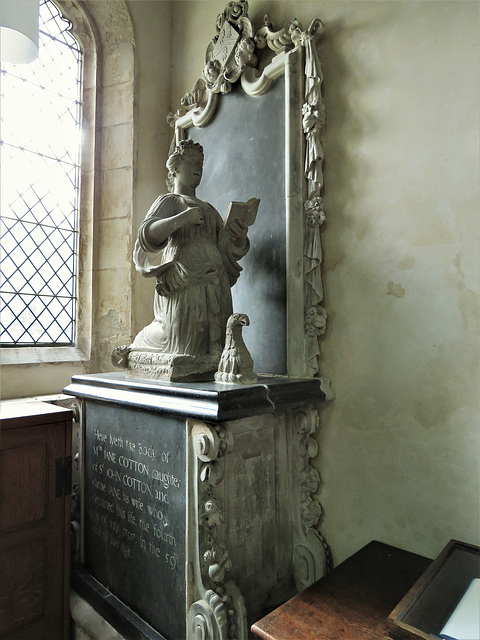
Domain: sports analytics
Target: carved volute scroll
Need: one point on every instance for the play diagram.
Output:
(219, 613)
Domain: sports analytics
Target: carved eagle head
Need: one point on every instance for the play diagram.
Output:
(238, 319)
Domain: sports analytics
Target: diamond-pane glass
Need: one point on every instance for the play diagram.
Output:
(40, 138)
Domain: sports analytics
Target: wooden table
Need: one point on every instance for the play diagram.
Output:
(350, 603)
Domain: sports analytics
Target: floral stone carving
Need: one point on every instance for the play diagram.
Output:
(220, 613)
(311, 554)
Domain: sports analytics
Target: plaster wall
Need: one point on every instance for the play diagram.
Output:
(400, 445)
(152, 21)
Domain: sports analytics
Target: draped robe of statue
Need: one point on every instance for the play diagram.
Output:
(195, 269)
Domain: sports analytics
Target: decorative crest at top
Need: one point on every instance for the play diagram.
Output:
(231, 50)
(290, 35)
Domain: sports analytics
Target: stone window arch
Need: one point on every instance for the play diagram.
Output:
(105, 33)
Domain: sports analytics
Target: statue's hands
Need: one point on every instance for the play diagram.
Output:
(193, 215)
(237, 228)
(159, 230)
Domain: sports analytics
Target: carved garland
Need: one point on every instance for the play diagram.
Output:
(230, 56)
(77, 501)
(312, 546)
(220, 613)
(314, 122)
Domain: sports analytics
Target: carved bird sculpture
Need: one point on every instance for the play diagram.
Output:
(236, 364)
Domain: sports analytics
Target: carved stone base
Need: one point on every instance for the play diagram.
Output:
(203, 495)
(172, 367)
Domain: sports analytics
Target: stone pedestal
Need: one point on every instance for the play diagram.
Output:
(198, 513)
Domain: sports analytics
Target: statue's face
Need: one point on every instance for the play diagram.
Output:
(189, 170)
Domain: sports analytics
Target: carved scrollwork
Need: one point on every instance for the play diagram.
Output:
(76, 407)
(210, 442)
(306, 421)
(208, 618)
(312, 554)
(291, 34)
(211, 473)
(308, 566)
(303, 37)
(279, 40)
(205, 442)
(325, 386)
(231, 50)
(220, 611)
(194, 99)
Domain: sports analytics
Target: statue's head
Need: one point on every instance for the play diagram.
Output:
(185, 149)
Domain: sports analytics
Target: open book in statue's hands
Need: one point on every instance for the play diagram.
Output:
(246, 212)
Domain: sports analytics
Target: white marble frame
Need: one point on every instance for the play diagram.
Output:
(291, 64)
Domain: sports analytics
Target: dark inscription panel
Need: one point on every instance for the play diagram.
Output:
(135, 499)
(245, 158)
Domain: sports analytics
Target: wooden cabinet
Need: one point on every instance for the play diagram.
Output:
(35, 478)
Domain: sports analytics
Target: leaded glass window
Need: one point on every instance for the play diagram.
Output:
(40, 142)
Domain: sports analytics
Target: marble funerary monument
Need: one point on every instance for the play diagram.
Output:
(197, 499)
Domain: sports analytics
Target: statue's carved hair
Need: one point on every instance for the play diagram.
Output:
(183, 148)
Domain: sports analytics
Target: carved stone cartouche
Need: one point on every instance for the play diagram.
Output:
(231, 50)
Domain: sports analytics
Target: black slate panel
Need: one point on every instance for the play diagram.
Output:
(135, 511)
(245, 158)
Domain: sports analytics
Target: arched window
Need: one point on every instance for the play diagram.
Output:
(40, 178)
(102, 34)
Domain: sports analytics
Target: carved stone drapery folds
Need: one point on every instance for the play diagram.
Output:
(219, 614)
(314, 122)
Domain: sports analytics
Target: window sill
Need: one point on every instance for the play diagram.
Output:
(36, 355)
